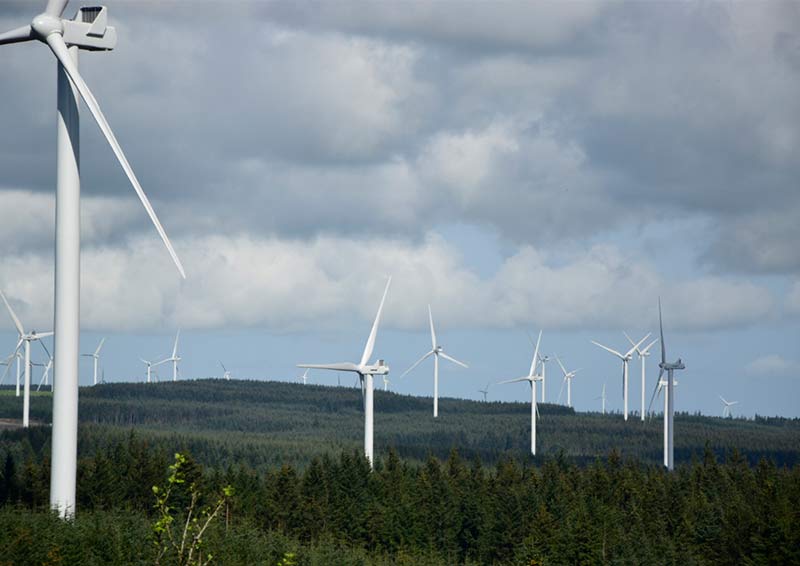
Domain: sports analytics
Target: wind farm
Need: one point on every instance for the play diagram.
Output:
(479, 162)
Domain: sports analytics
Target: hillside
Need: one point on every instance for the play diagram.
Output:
(267, 424)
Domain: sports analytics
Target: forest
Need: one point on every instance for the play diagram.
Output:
(283, 463)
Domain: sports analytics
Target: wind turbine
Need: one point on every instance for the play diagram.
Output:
(436, 352)
(726, 406)
(174, 358)
(226, 375)
(150, 365)
(95, 359)
(669, 413)
(365, 373)
(45, 374)
(626, 357)
(304, 377)
(386, 383)
(602, 398)
(531, 378)
(88, 31)
(25, 338)
(7, 362)
(662, 388)
(642, 353)
(485, 392)
(568, 377)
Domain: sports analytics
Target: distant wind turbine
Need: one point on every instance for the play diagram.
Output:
(150, 365)
(602, 398)
(304, 377)
(226, 374)
(95, 359)
(642, 353)
(174, 358)
(669, 414)
(386, 383)
(485, 392)
(365, 373)
(543, 362)
(568, 377)
(7, 362)
(531, 378)
(436, 351)
(726, 406)
(626, 357)
(25, 338)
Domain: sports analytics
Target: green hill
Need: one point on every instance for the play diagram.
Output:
(268, 424)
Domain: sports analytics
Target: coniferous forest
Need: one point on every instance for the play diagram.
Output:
(272, 473)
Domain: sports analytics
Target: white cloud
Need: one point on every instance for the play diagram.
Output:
(773, 365)
(287, 285)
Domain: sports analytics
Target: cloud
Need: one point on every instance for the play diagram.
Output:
(772, 365)
(292, 285)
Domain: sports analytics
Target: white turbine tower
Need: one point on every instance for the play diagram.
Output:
(436, 352)
(669, 413)
(568, 377)
(642, 353)
(543, 362)
(726, 406)
(226, 375)
(386, 383)
(174, 358)
(95, 359)
(662, 388)
(25, 338)
(531, 378)
(626, 357)
(365, 373)
(485, 392)
(88, 31)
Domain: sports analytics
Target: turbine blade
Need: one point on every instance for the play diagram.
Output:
(562, 365)
(606, 348)
(661, 330)
(175, 348)
(56, 7)
(455, 361)
(45, 349)
(636, 346)
(99, 347)
(526, 378)
(560, 391)
(535, 355)
(59, 48)
(650, 345)
(655, 392)
(629, 338)
(419, 361)
(374, 332)
(223, 366)
(723, 399)
(14, 317)
(342, 366)
(433, 332)
(40, 335)
(24, 33)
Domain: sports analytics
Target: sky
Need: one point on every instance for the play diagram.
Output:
(517, 166)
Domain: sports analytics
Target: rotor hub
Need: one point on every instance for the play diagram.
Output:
(45, 24)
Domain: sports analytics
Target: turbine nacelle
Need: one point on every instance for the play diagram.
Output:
(89, 30)
(378, 368)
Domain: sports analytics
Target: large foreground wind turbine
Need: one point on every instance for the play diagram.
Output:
(669, 414)
(365, 373)
(25, 338)
(95, 359)
(626, 357)
(88, 31)
(436, 351)
(531, 378)
(642, 353)
(726, 406)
